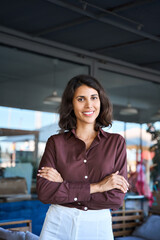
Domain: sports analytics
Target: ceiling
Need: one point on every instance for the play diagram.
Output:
(125, 32)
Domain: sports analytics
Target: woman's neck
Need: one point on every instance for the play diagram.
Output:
(86, 132)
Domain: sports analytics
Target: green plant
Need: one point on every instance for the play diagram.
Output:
(155, 172)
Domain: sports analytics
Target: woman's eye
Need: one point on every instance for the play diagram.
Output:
(80, 99)
(94, 98)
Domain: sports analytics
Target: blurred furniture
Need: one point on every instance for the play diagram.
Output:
(131, 225)
(24, 170)
(125, 221)
(6, 234)
(13, 188)
(17, 230)
(134, 201)
(19, 225)
(28, 209)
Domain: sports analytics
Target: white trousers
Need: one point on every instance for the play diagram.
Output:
(63, 223)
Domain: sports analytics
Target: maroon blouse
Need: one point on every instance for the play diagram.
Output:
(80, 167)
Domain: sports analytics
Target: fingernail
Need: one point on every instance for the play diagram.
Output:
(39, 170)
(42, 167)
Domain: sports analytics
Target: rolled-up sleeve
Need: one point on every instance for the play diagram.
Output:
(59, 193)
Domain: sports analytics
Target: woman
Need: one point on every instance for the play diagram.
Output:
(82, 173)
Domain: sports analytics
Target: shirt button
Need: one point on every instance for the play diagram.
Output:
(85, 208)
(86, 177)
(84, 160)
(75, 199)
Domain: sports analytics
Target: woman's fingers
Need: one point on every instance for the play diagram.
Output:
(116, 173)
(50, 174)
(50, 177)
(121, 180)
(122, 186)
(121, 183)
(114, 181)
(49, 171)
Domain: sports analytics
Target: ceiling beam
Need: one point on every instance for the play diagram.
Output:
(62, 26)
(129, 5)
(24, 41)
(104, 20)
(83, 20)
(126, 44)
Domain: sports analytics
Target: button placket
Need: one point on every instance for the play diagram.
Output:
(85, 162)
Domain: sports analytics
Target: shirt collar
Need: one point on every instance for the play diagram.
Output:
(100, 133)
(70, 133)
(105, 134)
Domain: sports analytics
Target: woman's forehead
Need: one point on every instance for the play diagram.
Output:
(85, 90)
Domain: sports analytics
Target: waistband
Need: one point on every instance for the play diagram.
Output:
(76, 212)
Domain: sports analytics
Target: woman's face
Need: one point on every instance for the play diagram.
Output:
(86, 105)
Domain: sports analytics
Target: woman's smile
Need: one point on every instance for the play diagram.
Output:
(89, 114)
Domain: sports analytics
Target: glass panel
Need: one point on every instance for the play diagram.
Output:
(125, 90)
(26, 79)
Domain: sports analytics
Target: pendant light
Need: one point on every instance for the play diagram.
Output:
(156, 116)
(53, 98)
(128, 111)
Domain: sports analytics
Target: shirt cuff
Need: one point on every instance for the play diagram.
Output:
(79, 192)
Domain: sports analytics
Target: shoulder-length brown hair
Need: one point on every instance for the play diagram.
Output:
(67, 117)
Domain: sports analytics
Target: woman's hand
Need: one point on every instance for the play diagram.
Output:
(50, 174)
(110, 182)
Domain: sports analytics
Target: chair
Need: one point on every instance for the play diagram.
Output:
(18, 225)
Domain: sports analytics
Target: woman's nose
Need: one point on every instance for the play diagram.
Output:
(88, 104)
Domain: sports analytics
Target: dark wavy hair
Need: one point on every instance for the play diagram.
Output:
(67, 117)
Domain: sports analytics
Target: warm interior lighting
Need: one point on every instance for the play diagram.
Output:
(52, 99)
(156, 116)
(129, 110)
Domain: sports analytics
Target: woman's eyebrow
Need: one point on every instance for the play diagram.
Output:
(91, 95)
(94, 94)
(80, 96)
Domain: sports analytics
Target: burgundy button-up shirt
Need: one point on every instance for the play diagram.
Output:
(80, 167)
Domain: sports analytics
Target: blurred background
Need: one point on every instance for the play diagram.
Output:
(43, 44)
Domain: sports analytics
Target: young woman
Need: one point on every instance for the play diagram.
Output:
(83, 171)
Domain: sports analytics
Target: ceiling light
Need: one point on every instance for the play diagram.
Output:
(129, 110)
(156, 116)
(52, 99)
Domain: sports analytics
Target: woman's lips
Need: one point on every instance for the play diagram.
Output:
(90, 113)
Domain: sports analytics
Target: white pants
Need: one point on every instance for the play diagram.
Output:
(63, 223)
